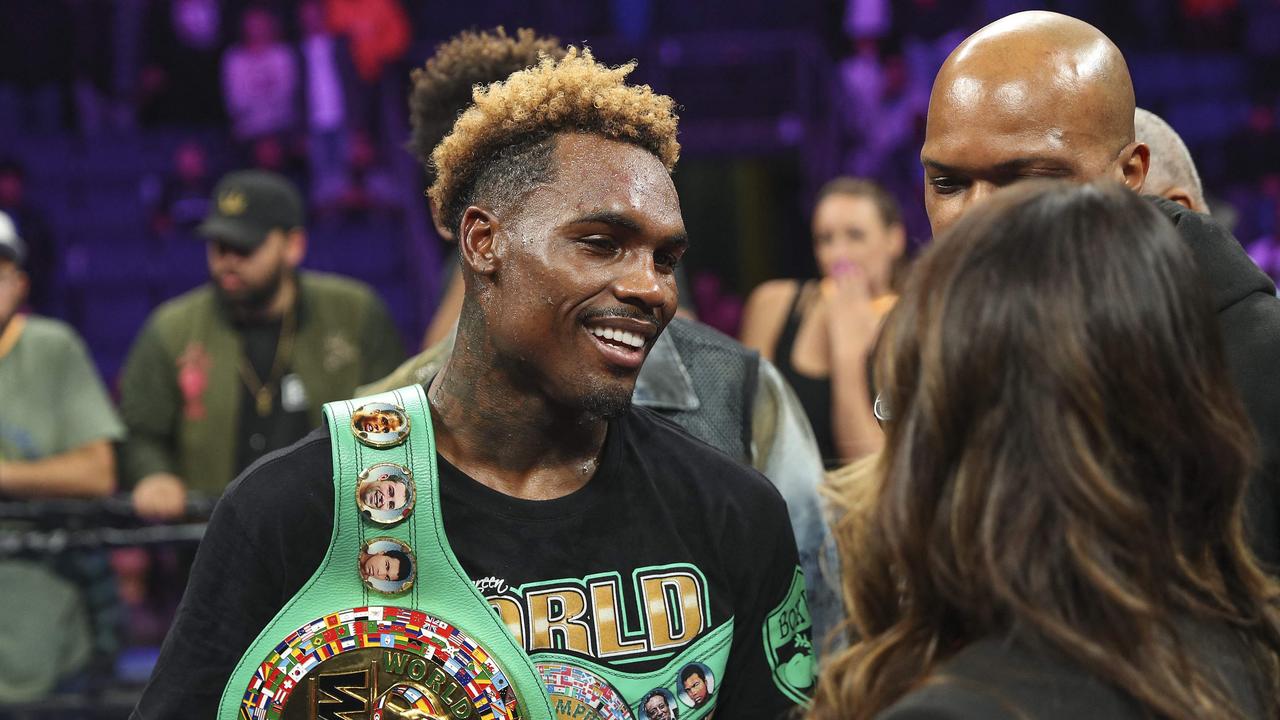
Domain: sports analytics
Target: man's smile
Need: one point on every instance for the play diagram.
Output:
(623, 341)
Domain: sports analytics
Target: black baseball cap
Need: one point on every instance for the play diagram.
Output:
(249, 204)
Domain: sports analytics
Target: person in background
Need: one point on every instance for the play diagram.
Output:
(328, 76)
(56, 422)
(236, 368)
(260, 79)
(706, 383)
(1172, 174)
(378, 30)
(378, 34)
(820, 333)
(42, 256)
(56, 429)
(1054, 528)
(184, 197)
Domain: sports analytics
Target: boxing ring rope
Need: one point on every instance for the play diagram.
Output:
(53, 526)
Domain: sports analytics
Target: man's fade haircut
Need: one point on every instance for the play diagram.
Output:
(442, 87)
(501, 147)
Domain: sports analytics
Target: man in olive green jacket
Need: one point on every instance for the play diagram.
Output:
(240, 366)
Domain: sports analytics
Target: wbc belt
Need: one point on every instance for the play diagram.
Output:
(389, 626)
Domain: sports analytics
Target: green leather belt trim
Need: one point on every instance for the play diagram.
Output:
(337, 611)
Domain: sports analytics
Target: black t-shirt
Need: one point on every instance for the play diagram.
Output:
(660, 500)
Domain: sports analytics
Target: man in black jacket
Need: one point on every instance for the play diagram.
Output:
(1038, 94)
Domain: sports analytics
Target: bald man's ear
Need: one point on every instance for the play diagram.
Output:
(479, 242)
(1134, 162)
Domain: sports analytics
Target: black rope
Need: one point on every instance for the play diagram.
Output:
(49, 527)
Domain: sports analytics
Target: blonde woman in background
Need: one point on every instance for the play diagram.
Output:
(820, 333)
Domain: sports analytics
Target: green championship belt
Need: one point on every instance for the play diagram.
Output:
(389, 626)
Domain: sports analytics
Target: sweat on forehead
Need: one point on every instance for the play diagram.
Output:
(1045, 68)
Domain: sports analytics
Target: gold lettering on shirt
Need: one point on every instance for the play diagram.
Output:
(673, 604)
(556, 620)
(606, 609)
(664, 607)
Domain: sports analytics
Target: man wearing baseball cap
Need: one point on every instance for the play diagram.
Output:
(56, 429)
(241, 365)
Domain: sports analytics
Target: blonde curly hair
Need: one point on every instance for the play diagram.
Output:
(502, 145)
(442, 87)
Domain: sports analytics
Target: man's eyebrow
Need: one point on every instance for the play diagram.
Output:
(932, 164)
(1005, 168)
(626, 222)
(1044, 161)
(607, 217)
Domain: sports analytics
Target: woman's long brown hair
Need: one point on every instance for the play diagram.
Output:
(1065, 456)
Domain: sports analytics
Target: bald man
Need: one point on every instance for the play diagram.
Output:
(1035, 94)
(1172, 174)
(1038, 94)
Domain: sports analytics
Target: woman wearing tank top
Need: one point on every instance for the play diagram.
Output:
(820, 333)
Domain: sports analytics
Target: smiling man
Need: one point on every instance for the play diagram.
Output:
(1039, 94)
(613, 547)
(708, 384)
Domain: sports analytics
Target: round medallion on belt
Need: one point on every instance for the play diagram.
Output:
(385, 493)
(380, 424)
(387, 565)
(379, 661)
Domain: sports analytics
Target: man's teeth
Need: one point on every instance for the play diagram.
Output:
(621, 336)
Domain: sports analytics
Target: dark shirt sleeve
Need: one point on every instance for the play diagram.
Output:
(382, 345)
(230, 597)
(266, 538)
(772, 664)
(149, 406)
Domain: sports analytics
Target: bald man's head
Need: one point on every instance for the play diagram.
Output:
(1173, 173)
(1035, 94)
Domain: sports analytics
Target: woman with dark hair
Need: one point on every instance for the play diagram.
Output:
(1054, 527)
(820, 333)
